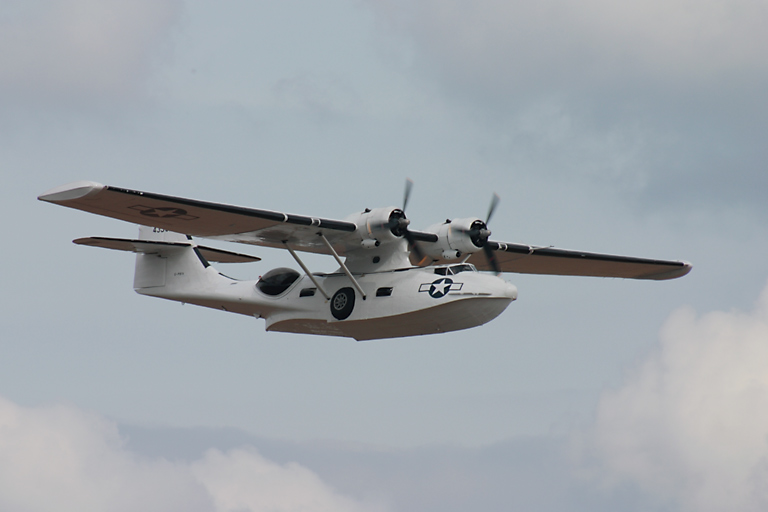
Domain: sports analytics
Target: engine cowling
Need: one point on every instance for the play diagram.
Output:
(380, 226)
(457, 238)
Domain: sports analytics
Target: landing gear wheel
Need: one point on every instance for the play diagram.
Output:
(342, 303)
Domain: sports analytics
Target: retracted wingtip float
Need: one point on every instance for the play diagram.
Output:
(71, 191)
(393, 281)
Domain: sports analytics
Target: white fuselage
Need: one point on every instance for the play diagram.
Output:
(406, 302)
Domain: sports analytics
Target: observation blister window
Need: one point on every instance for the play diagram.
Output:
(277, 281)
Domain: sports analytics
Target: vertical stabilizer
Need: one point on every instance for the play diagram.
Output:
(172, 268)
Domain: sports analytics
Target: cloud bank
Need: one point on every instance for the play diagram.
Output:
(690, 425)
(688, 429)
(60, 458)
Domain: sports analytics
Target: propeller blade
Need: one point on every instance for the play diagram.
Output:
(414, 246)
(490, 255)
(408, 187)
(403, 223)
(494, 202)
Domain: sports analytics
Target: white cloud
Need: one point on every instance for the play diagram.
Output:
(691, 423)
(81, 46)
(60, 458)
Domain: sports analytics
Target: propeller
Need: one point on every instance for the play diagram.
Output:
(479, 233)
(490, 254)
(398, 223)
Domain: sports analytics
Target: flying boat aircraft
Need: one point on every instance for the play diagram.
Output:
(392, 281)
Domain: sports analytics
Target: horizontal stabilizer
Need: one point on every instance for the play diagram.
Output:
(154, 246)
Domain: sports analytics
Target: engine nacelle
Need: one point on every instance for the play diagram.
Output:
(457, 238)
(380, 225)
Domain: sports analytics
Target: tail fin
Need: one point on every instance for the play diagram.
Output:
(173, 261)
(159, 248)
(172, 266)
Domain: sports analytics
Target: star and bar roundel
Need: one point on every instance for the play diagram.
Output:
(440, 287)
(163, 213)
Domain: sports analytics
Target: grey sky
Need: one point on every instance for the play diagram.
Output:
(636, 129)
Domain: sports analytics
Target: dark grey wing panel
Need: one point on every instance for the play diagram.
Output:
(525, 259)
(203, 219)
(154, 246)
(222, 256)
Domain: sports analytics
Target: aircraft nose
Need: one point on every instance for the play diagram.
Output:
(511, 291)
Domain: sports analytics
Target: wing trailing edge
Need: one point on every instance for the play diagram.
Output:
(525, 259)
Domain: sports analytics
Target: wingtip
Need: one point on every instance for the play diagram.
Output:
(71, 191)
(684, 268)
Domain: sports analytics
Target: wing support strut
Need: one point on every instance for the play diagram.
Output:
(341, 263)
(306, 270)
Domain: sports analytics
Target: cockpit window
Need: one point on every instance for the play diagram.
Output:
(454, 269)
(277, 280)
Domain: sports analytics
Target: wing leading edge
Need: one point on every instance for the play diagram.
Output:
(525, 259)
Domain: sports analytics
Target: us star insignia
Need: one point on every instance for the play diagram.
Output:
(163, 213)
(440, 287)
